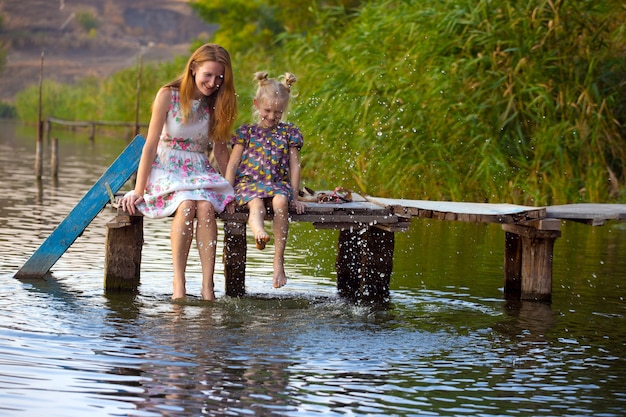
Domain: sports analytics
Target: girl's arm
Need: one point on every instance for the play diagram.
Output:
(294, 178)
(220, 151)
(233, 163)
(160, 108)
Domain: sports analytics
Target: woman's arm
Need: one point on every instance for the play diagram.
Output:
(160, 108)
(220, 152)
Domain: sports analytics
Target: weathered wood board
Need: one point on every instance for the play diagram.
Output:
(83, 213)
(593, 214)
(461, 211)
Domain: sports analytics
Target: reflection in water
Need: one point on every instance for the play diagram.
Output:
(448, 344)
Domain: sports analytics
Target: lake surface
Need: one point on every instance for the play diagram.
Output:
(447, 345)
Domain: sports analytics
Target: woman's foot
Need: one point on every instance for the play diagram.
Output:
(261, 239)
(208, 295)
(179, 291)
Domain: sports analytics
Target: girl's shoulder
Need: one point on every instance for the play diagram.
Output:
(290, 128)
(248, 127)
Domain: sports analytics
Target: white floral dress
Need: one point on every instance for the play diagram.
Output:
(181, 169)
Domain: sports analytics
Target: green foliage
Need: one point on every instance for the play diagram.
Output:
(246, 25)
(87, 21)
(113, 99)
(463, 100)
(7, 111)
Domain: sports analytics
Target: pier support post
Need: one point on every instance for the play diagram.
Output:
(364, 264)
(512, 266)
(122, 256)
(234, 258)
(529, 252)
(348, 262)
(377, 265)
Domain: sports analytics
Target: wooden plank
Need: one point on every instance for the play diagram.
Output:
(594, 214)
(83, 213)
(462, 211)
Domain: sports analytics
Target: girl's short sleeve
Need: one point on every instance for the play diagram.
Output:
(296, 140)
(240, 136)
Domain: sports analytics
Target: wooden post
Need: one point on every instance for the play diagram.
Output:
(39, 147)
(364, 264)
(348, 263)
(537, 249)
(54, 159)
(512, 266)
(122, 256)
(537, 253)
(234, 258)
(377, 264)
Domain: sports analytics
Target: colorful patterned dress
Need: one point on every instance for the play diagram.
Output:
(181, 169)
(264, 168)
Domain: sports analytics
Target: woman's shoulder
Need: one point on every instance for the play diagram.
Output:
(167, 93)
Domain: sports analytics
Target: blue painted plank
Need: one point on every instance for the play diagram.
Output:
(84, 212)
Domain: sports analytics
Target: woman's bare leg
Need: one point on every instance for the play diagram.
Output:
(206, 239)
(280, 205)
(181, 235)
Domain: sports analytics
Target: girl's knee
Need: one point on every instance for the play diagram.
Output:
(280, 202)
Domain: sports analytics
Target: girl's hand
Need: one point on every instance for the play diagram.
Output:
(129, 202)
(299, 206)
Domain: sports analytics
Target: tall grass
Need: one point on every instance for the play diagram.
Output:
(468, 100)
(464, 100)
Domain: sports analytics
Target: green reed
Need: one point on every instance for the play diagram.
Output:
(465, 100)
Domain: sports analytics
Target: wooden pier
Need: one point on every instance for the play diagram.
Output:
(367, 227)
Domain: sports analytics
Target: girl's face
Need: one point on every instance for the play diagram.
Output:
(208, 75)
(270, 111)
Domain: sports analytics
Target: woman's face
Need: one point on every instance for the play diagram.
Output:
(208, 75)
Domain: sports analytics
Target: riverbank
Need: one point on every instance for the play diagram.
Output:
(157, 29)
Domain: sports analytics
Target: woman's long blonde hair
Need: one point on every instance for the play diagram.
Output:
(222, 103)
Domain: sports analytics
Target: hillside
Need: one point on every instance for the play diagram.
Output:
(160, 29)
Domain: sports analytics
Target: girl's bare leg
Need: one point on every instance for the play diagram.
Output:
(256, 217)
(206, 239)
(280, 205)
(181, 235)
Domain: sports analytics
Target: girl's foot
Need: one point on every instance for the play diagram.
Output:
(280, 280)
(261, 239)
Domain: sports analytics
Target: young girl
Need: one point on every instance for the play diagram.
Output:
(174, 174)
(264, 166)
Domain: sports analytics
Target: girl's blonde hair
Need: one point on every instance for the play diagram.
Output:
(222, 103)
(276, 89)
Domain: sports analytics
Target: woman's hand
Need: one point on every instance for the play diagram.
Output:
(130, 201)
(230, 207)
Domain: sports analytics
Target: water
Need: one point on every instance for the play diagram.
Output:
(448, 345)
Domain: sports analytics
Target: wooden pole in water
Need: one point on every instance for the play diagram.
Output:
(39, 147)
(54, 159)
